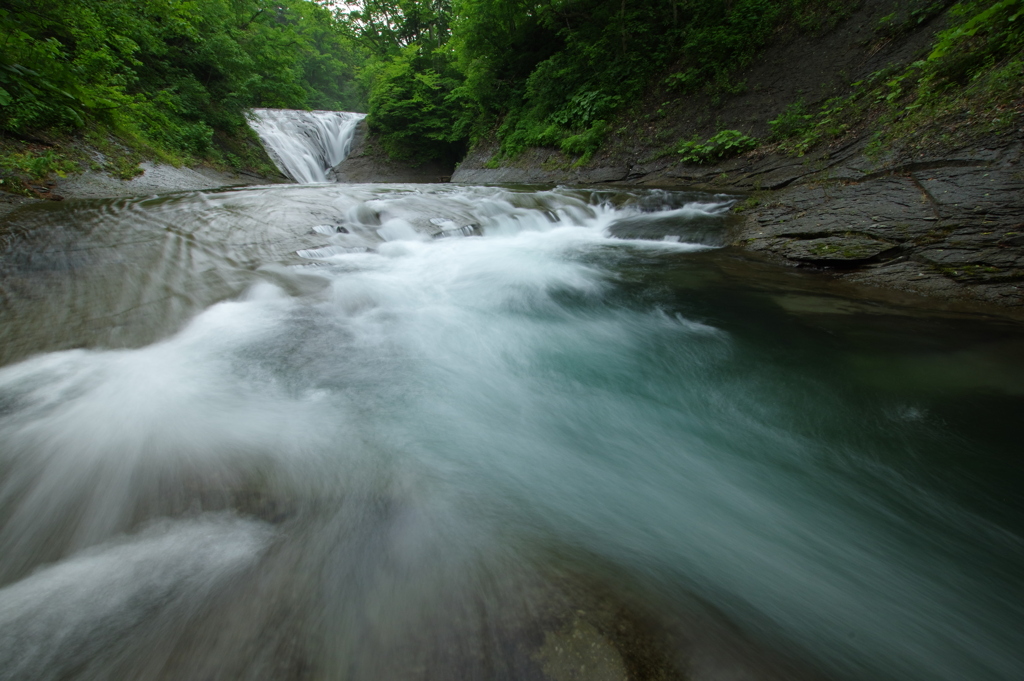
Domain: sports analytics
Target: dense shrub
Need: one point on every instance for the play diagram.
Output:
(722, 145)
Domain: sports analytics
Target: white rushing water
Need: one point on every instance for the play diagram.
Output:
(371, 432)
(306, 144)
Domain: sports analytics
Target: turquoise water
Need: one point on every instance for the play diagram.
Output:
(320, 432)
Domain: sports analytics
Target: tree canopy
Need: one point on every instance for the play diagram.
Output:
(555, 73)
(170, 72)
(552, 72)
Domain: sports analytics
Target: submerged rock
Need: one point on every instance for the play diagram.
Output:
(579, 652)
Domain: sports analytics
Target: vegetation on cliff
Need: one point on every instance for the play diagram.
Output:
(564, 73)
(971, 82)
(555, 72)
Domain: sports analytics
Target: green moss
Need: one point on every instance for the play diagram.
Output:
(749, 203)
(987, 273)
(553, 162)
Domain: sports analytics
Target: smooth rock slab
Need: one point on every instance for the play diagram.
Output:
(835, 250)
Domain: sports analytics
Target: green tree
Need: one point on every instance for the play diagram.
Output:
(170, 73)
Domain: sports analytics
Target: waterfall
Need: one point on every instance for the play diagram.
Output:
(306, 144)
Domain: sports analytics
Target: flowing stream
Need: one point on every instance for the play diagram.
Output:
(306, 144)
(439, 431)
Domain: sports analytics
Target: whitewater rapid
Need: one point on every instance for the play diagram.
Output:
(366, 432)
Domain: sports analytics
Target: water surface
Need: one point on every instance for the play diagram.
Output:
(371, 432)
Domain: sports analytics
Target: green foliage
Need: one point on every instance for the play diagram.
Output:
(413, 106)
(550, 73)
(795, 120)
(584, 109)
(124, 167)
(972, 82)
(415, 100)
(38, 164)
(991, 19)
(547, 71)
(908, 16)
(386, 27)
(725, 144)
(169, 76)
(586, 143)
(717, 42)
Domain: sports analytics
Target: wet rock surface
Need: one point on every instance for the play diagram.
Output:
(952, 227)
(597, 631)
(156, 178)
(580, 652)
(947, 224)
(11, 202)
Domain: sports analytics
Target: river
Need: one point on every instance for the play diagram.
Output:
(443, 431)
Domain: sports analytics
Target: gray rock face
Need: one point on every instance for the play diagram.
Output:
(950, 226)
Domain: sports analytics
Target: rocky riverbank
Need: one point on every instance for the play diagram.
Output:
(942, 219)
(947, 224)
(156, 178)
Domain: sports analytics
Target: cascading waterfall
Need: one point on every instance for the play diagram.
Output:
(425, 432)
(306, 144)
